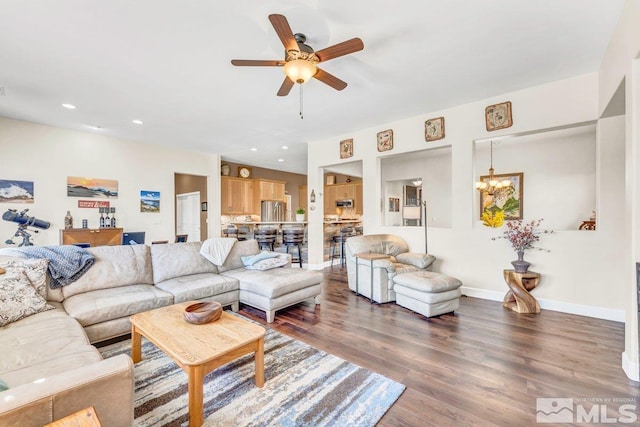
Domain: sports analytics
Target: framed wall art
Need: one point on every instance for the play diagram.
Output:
(394, 204)
(149, 201)
(346, 148)
(498, 116)
(12, 191)
(92, 187)
(385, 140)
(509, 201)
(434, 129)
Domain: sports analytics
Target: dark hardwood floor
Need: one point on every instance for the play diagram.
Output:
(484, 365)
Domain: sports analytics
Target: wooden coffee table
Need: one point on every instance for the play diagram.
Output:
(198, 349)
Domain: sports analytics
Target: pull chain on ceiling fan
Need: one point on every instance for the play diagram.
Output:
(300, 61)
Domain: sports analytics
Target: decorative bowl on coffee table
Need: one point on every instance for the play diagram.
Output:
(203, 312)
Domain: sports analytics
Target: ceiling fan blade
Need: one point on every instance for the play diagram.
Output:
(257, 63)
(287, 84)
(330, 79)
(340, 49)
(281, 25)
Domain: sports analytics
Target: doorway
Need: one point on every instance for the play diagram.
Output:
(188, 215)
(191, 213)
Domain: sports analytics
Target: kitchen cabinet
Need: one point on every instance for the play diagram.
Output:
(92, 236)
(269, 190)
(237, 196)
(349, 190)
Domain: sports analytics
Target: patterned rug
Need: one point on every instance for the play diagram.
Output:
(304, 387)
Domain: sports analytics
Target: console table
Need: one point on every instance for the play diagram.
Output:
(518, 297)
(92, 236)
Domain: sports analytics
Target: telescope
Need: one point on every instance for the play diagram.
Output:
(23, 220)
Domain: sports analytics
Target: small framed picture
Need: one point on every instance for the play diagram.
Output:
(498, 116)
(346, 148)
(434, 129)
(394, 204)
(510, 202)
(385, 140)
(204, 206)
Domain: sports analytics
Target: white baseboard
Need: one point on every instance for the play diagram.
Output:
(564, 307)
(632, 369)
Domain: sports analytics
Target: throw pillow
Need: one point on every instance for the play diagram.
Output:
(18, 298)
(268, 264)
(36, 271)
(252, 259)
(3, 386)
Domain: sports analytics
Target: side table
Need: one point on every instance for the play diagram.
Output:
(518, 297)
(370, 256)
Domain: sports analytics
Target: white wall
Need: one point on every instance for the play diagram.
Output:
(621, 64)
(47, 155)
(584, 272)
(559, 173)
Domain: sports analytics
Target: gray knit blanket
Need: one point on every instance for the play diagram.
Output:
(66, 263)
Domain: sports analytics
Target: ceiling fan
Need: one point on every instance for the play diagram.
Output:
(300, 60)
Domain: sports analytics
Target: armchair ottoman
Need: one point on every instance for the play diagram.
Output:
(427, 293)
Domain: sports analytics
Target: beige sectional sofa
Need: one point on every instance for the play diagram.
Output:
(48, 362)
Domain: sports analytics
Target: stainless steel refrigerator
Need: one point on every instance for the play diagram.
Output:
(273, 211)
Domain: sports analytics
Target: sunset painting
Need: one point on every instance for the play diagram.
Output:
(92, 187)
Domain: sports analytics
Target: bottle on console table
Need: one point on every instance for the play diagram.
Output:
(107, 220)
(113, 217)
(101, 217)
(68, 220)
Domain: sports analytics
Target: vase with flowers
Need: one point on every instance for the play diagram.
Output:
(522, 236)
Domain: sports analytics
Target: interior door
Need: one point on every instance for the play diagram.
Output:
(188, 215)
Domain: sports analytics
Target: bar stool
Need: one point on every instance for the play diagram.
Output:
(337, 242)
(294, 237)
(244, 232)
(230, 231)
(266, 237)
(358, 229)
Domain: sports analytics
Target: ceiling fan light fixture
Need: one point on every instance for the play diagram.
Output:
(300, 70)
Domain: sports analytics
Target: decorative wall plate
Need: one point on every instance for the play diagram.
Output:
(346, 148)
(498, 116)
(434, 129)
(385, 140)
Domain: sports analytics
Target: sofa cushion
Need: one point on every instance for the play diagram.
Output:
(240, 249)
(38, 338)
(114, 266)
(198, 286)
(421, 260)
(56, 362)
(178, 259)
(107, 304)
(387, 244)
(51, 294)
(18, 297)
(270, 263)
(35, 270)
(276, 282)
(252, 259)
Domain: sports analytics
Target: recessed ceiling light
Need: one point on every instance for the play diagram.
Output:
(136, 121)
(69, 106)
(281, 160)
(254, 149)
(284, 147)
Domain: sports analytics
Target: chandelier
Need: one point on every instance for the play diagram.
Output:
(493, 186)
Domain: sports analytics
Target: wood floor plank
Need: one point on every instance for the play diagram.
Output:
(484, 365)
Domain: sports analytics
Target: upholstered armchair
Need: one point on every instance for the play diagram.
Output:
(399, 261)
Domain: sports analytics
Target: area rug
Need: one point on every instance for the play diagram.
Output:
(304, 387)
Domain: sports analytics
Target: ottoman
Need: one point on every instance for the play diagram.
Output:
(427, 293)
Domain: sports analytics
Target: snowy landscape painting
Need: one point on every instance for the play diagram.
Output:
(149, 201)
(16, 191)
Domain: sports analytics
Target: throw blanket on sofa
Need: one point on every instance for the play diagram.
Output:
(66, 263)
(216, 249)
